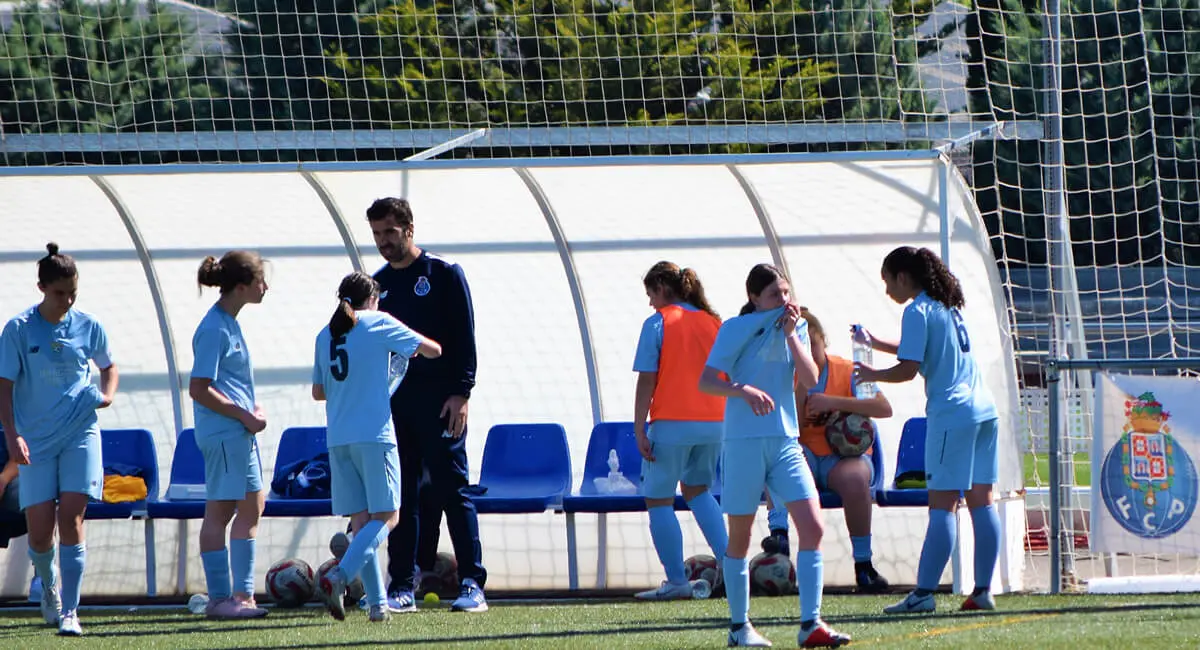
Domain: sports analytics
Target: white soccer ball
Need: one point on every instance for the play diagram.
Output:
(772, 574)
(290, 582)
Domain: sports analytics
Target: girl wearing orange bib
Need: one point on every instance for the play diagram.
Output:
(682, 443)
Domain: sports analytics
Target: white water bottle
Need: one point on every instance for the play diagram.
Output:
(863, 354)
(614, 465)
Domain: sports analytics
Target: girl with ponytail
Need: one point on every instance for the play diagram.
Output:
(227, 423)
(961, 431)
(682, 442)
(48, 407)
(758, 362)
(353, 374)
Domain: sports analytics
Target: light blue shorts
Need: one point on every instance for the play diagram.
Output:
(691, 464)
(750, 463)
(821, 466)
(365, 477)
(959, 457)
(78, 467)
(232, 468)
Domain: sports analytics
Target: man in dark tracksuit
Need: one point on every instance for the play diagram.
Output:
(429, 408)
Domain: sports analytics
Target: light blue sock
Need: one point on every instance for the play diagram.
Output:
(860, 547)
(810, 579)
(72, 560)
(708, 516)
(737, 588)
(216, 574)
(935, 553)
(985, 522)
(371, 575)
(668, 541)
(366, 540)
(241, 561)
(43, 567)
(777, 516)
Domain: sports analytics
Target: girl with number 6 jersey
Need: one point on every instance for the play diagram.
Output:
(961, 421)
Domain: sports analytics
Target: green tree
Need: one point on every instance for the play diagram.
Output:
(1131, 88)
(78, 67)
(279, 46)
(645, 62)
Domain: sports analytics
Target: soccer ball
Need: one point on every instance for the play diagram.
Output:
(772, 574)
(849, 434)
(442, 579)
(705, 567)
(354, 590)
(290, 582)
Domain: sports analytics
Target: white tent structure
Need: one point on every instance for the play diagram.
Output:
(554, 251)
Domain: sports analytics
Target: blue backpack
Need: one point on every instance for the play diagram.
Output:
(304, 479)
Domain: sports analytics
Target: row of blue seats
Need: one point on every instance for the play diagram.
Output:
(526, 468)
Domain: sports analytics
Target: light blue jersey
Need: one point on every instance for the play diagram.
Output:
(355, 372)
(54, 399)
(936, 337)
(220, 353)
(645, 359)
(752, 350)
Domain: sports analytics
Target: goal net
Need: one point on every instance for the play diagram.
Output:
(1070, 125)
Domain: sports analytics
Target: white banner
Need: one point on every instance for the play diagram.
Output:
(1144, 483)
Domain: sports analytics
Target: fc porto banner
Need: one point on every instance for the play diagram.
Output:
(1144, 483)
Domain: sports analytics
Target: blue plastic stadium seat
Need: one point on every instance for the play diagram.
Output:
(296, 444)
(910, 458)
(187, 469)
(133, 448)
(526, 468)
(830, 499)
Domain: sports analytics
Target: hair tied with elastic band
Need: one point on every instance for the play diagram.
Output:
(347, 300)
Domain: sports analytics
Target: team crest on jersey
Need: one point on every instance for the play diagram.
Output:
(422, 286)
(1147, 481)
(56, 347)
(34, 349)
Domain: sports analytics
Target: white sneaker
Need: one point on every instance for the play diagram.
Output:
(69, 625)
(379, 614)
(748, 637)
(51, 604)
(667, 591)
(912, 604)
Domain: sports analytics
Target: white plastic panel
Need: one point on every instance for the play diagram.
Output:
(530, 352)
(620, 221)
(183, 218)
(836, 222)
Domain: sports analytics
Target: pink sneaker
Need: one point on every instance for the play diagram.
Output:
(229, 608)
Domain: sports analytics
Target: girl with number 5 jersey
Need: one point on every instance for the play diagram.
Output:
(352, 373)
(961, 420)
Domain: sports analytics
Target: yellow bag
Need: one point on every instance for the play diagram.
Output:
(123, 489)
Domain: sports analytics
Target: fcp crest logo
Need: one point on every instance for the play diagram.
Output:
(1148, 481)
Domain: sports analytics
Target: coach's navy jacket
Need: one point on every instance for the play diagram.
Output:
(431, 296)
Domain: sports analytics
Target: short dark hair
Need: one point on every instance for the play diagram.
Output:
(398, 209)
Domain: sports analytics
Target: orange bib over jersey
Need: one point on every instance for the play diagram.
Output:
(687, 338)
(839, 373)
